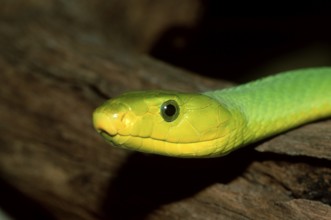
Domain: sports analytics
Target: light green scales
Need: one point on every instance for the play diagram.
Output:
(216, 122)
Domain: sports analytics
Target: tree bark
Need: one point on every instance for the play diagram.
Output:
(54, 165)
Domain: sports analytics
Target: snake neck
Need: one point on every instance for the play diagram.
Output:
(275, 104)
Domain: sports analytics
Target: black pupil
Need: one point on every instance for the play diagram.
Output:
(170, 110)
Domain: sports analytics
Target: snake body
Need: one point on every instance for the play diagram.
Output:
(217, 122)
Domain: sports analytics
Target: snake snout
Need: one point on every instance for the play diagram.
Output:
(109, 119)
(106, 123)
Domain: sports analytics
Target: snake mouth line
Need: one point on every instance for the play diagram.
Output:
(110, 137)
(106, 135)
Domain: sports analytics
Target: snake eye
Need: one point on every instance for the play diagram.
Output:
(169, 110)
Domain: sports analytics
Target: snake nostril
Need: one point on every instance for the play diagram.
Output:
(121, 117)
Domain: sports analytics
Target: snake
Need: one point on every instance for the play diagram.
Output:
(215, 123)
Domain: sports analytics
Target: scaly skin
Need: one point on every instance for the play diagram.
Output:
(217, 122)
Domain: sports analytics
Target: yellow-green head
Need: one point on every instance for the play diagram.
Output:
(167, 123)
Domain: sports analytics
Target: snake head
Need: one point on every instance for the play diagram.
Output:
(166, 123)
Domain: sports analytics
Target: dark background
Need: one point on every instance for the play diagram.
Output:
(241, 41)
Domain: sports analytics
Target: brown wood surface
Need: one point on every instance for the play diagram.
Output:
(54, 71)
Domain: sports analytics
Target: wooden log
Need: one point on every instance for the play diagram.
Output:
(54, 165)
